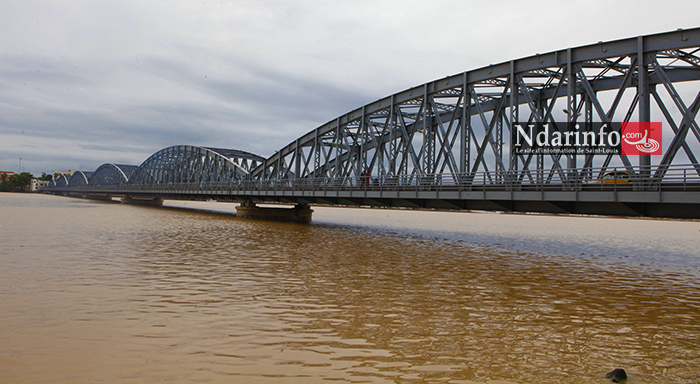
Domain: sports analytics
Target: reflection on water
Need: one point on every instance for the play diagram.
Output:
(94, 292)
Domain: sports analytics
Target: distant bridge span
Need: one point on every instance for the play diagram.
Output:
(448, 143)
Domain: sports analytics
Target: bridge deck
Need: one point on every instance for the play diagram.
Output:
(456, 142)
(668, 200)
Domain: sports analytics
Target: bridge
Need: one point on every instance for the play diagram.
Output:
(450, 143)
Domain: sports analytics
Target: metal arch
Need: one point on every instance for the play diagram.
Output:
(446, 144)
(61, 182)
(193, 164)
(245, 160)
(460, 125)
(110, 174)
(79, 179)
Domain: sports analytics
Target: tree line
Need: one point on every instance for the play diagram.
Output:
(18, 182)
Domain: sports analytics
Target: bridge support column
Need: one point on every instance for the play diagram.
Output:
(301, 213)
(94, 196)
(152, 201)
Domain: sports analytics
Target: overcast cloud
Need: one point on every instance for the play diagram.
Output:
(84, 82)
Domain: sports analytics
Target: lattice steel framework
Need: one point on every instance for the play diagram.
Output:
(460, 125)
(112, 174)
(79, 179)
(61, 181)
(191, 164)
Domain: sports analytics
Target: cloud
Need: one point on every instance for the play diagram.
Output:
(85, 82)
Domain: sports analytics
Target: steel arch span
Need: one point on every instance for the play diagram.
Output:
(448, 143)
(458, 129)
(192, 164)
(112, 174)
(61, 181)
(79, 178)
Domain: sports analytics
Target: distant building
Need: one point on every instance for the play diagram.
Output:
(67, 173)
(35, 185)
(7, 173)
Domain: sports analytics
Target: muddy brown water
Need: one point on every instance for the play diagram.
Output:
(96, 292)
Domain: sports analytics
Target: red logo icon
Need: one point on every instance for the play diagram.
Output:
(641, 138)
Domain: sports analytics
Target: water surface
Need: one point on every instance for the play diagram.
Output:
(99, 292)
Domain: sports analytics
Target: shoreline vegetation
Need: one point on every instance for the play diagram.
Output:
(18, 182)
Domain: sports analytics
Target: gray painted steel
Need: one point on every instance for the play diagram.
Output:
(446, 143)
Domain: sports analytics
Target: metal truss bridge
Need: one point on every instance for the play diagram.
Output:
(448, 143)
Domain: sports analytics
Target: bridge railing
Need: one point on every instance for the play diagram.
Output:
(588, 179)
(681, 177)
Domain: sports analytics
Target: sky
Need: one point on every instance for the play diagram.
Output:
(87, 82)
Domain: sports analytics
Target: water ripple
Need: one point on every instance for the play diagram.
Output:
(127, 294)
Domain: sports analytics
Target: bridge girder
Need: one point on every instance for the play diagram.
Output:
(446, 143)
(111, 174)
(192, 164)
(79, 178)
(61, 181)
(461, 124)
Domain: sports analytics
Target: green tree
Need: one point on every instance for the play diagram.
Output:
(15, 182)
(22, 180)
(7, 186)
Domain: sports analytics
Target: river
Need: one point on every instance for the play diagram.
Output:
(96, 292)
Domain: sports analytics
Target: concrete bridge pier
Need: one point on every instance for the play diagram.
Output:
(94, 196)
(300, 213)
(152, 201)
